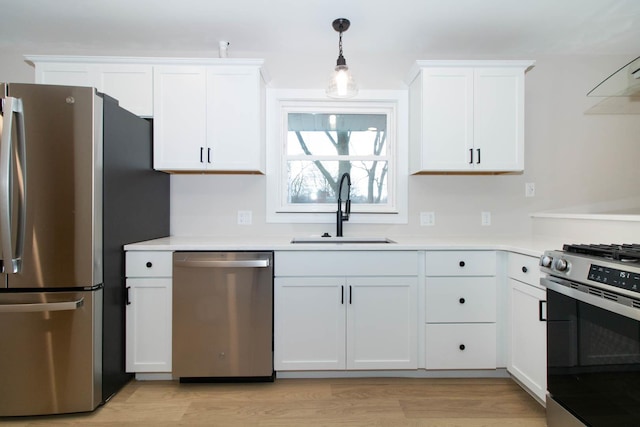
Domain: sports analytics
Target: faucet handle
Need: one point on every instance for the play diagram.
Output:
(347, 209)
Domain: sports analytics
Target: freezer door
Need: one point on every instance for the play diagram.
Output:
(62, 184)
(50, 352)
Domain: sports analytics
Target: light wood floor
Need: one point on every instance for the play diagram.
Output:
(314, 402)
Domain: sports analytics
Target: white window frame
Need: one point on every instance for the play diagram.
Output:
(282, 101)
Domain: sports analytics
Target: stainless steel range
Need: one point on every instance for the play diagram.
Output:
(593, 335)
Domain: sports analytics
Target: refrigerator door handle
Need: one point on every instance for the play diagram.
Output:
(12, 258)
(47, 306)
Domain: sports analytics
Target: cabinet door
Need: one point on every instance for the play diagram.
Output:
(309, 323)
(499, 119)
(130, 84)
(527, 360)
(180, 122)
(234, 132)
(65, 74)
(148, 330)
(382, 323)
(447, 114)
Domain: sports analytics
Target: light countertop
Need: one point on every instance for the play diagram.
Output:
(524, 245)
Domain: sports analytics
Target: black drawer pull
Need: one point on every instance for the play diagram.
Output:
(524, 269)
(461, 264)
(462, 347)
(462, 300)
(149, 264)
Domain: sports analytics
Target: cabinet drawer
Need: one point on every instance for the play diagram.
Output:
(345, 263)
(461, 346)
(149, 263)
(525, 269)
(460, 299)
(461, 263)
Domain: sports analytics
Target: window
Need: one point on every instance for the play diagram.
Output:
(320, 147)
(312, 142)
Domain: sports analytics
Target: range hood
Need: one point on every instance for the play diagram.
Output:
(620, 91)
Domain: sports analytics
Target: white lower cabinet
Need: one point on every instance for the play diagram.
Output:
(148, 311)
(460, 310)
(359, 310)
(527, 335)
(345, 321)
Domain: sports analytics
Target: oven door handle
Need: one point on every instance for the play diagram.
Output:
(612, 306)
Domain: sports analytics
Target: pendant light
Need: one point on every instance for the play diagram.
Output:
(341, 83)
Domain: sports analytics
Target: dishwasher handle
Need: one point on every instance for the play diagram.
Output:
(245, 263)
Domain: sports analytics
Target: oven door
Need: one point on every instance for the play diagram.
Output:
(593, 356)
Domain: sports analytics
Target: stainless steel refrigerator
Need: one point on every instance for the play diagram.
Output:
(76, 184)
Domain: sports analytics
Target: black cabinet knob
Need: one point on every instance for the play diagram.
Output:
(149, 264)
(462, 300)
(524, 269)
(461, 263)
(462, 347)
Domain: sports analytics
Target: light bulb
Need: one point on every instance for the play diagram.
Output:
(341, 84)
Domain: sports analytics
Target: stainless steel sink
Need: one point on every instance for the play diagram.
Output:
(317, 239)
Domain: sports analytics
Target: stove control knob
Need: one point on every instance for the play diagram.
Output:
(562, 265)
(545, 261)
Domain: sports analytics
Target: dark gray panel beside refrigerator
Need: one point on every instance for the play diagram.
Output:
(136, 208)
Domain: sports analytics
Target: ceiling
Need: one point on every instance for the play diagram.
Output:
(426, 28)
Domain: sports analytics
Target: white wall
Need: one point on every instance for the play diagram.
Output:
(575, 160)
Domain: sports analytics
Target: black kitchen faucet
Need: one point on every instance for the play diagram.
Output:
(340, 215)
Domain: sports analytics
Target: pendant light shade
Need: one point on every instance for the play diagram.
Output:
(341, 83)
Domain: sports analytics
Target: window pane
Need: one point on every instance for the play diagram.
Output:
(317, 181)
(336, 134)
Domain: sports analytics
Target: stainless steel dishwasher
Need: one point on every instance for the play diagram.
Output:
(223, 316)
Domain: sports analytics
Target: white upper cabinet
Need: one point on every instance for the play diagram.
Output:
(131, 84)
(124, 79)
(209, 118)
(180, 123)
(467, 116)
(209, 114)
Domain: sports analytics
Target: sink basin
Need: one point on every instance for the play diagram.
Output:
(356, 239)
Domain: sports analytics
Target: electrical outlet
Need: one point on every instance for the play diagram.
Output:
(244, 217)
(485, 218)
(427, 218)
(529, 189)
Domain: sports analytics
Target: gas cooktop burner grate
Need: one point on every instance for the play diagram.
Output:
(625, 252)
